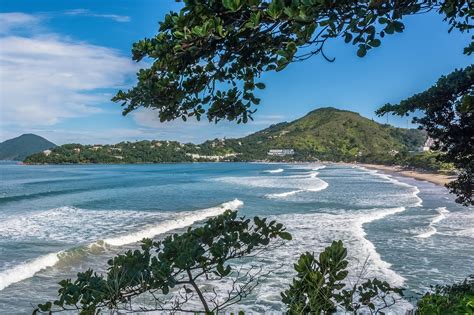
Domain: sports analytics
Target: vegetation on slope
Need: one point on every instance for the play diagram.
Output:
(333, 135)
(323, 134)
(446, 112)
(20, 147)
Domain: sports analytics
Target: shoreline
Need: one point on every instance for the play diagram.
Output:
(438, 179)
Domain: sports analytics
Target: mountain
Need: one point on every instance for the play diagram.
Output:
(323, 134)
(20, 147)
(328, 134)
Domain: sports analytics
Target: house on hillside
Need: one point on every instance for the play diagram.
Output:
(428, 144)
(47, 152)
(281, 152)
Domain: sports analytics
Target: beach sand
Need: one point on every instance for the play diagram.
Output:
(434, 178)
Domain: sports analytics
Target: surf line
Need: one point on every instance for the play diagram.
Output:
(394, 181)
(442, 213)
(29, 268)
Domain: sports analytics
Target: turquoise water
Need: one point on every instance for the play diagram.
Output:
(58, 220)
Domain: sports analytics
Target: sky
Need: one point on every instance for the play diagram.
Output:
(62, 61)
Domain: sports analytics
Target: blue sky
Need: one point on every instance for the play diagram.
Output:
(62, 61)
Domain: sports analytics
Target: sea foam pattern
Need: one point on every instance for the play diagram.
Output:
(442, 213)
(286, 185)
(28, 269)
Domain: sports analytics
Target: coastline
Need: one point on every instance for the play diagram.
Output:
(438, 179)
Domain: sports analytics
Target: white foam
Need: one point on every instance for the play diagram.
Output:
(284, 194)
(169, 225)
(314, 231)
(389, 178)
(30, 268)
(374, 256)
(442, 213)
(278, 170)
(27, 269)
(323, 185)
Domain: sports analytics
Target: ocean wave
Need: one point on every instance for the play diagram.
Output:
(29, 268)
(323, 185)
(442, 213)
(390, 179)
(169, 225)
(7, 199)
(313, 232)
(294, 184)
(278, 170)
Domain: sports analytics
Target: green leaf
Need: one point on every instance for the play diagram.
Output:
(232, 5)
(260, 85)
(286, 236)
(362, 51)
(375, 43)
(275, 9)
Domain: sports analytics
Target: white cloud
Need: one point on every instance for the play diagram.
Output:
(46, 78)
(84, 12)
(17, 20)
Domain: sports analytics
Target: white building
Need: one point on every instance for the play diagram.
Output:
(428, 144)
(47, 152)
(281, 152)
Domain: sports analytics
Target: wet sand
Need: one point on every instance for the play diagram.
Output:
(434, 178)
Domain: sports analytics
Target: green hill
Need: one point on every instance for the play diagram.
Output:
(20, 147)
(323, 134)
(328, 134)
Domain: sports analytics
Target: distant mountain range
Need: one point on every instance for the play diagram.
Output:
(324, 134)
(19, 148)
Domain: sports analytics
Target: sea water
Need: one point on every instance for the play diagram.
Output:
(58, 220)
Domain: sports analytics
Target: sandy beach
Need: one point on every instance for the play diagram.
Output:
(434, 178)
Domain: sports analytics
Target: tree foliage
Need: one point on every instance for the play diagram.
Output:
(319, 286)
(208, 58)
(446, 112)
(457, 298)
(176, 273)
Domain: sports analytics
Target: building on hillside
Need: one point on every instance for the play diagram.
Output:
(428, 144)
(216, 158)
(47, 152)
(96, 147)
(77, 150)
(281, 152)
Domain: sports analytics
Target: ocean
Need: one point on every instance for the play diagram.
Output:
(58, 220)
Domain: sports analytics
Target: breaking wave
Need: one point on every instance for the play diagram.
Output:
(323, 185)
(169, 225)
(442, 213)
(278, 170)
(28, 269)
(389, 178)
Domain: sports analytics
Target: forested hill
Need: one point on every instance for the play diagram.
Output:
(331, 134)
(20, 147)
(323, 134)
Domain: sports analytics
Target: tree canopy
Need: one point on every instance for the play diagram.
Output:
(446, 112)
(181, 273)
(207, 58)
